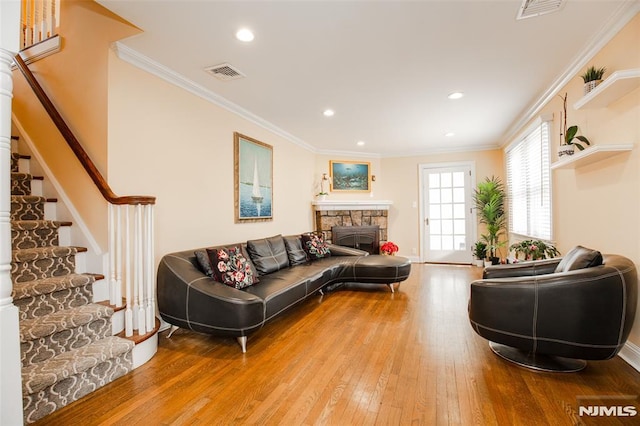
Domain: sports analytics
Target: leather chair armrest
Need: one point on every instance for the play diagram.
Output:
(522, 269)
(337, 250)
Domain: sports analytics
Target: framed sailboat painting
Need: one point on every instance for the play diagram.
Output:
(253, 179)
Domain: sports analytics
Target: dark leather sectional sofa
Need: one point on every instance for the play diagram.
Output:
(190, 299)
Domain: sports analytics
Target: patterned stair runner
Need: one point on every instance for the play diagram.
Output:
(66, 342)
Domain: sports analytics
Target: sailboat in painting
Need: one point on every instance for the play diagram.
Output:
(256, 195)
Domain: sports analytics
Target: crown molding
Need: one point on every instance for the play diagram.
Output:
(147, 64)
(465, 148)
(625, 13)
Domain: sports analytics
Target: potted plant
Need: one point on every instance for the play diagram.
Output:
(480, 252)
(489, 198)
(569, 135)
(322, 195)
(592, 77)
(534, 249)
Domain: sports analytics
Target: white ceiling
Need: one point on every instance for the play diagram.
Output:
(385, 67)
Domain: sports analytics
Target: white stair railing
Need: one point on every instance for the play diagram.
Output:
(132, 265)
(40, 20)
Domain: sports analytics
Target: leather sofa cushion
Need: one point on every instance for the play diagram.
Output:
(579, 258)
(268, 254)
(295, 252)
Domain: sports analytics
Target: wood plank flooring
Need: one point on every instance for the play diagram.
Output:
(357, 356)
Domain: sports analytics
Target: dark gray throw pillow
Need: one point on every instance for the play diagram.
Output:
(268, 254)
(205, 263)
(579, 258)
(295, 252)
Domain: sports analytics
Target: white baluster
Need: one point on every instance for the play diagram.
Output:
(118, 256)
(112, 259)
(151, 300)
(142, 327)
(39, 4)
(127, 259)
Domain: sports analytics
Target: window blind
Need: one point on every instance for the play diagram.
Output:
(529, 184)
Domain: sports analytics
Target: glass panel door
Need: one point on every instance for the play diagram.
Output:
(447, 214)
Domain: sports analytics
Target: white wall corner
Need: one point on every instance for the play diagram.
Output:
(631, 354)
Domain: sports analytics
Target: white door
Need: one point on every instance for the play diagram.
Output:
(448, 221)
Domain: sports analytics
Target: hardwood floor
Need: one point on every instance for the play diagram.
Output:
(359, 356)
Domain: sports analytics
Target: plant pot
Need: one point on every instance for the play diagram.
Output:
(495, 260)
(589, 86)
(566, 150)
(487, 263)
(480, 262)
(322, 197)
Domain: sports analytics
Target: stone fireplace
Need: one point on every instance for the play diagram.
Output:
(351, 214)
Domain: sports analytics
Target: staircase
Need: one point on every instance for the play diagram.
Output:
(66, 341)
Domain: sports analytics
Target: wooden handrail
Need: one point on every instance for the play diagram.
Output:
(75, 146)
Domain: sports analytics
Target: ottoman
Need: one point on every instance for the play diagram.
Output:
(381, 269)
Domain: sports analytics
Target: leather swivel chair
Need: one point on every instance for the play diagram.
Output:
(552, 315)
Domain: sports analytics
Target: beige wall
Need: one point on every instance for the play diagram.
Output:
(598, 205)
(167, 142)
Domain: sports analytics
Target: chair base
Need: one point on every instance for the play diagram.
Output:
(538, 362)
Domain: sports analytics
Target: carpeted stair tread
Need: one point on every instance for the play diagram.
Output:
(28, 255)
(49, 285)
(28, 225)
(27, 234)
(27, 207)
(36, 328)
(38, 376)
(21, 183)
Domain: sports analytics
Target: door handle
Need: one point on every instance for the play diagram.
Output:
(426, 221)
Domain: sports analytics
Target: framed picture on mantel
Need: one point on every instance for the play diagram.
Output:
(253, 179)
(350, 176)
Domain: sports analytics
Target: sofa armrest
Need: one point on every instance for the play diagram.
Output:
(522, 269)
(190, 299)
(337, 250)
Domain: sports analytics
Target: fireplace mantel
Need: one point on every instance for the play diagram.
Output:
(351, 205)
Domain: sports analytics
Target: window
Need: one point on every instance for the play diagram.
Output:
(529, 183)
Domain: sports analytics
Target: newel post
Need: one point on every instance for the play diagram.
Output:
(10, 382)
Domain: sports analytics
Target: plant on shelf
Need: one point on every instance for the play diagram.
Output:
(534, 249)
(569, 135)
(323, 194)
(489, 198)
(592, 77)
(389, 248)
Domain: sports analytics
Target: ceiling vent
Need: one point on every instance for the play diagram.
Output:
(531, 8)
(224, 72)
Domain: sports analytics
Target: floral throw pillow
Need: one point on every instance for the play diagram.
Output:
(315, 246)
(231, 267)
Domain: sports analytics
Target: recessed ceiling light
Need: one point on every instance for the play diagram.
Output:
(245, 34)
(328, 113)
(449, 134)
(360, 143)
(455, 95)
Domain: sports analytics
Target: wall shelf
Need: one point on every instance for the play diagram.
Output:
(619, 84)
(591, 155)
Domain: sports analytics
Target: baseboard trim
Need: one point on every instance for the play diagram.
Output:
(631, 354)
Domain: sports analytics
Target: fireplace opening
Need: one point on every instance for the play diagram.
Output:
(365, 238)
